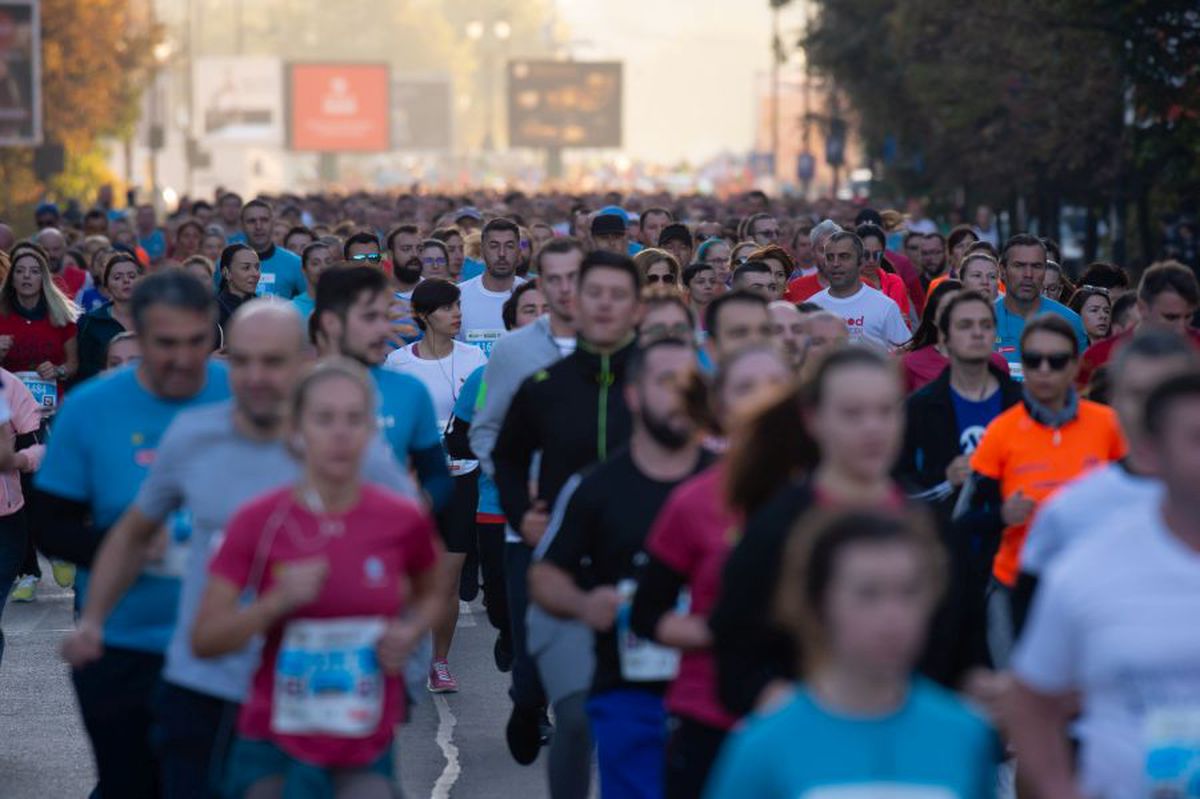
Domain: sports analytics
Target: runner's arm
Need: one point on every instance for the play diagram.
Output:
(511, 459)
(1038, 727)
(555, 591)
(1022, 600)
(65, 528)
(433, 474)
(117, 564)
(222, 626)
(654, 615)
(458, 441)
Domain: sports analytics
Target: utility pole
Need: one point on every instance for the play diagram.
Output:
(776, 60)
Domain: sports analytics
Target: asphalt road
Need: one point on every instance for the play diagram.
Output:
(453, 746)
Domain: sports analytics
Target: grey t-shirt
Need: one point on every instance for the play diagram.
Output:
(207, 468)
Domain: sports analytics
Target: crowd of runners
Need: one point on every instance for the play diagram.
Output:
(763, 498)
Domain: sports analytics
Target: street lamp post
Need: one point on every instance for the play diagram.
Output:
(478, 31)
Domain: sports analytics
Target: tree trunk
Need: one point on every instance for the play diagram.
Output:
(1091, 236)
(1146, 226)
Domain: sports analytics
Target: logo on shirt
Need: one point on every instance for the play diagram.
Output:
(373, 571)
(143, 457)
(970, 439)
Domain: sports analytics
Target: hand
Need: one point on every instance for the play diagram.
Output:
(47, 371)
(83, 646)
(600, 608)
(298, 583)
(6, 343)
(1017, 509)
(533, 523)
(959, 470)
(396, 644)
(990, 690)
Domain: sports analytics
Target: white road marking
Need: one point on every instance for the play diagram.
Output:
(445, 741)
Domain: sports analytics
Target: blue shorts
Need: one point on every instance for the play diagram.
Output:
(629, 727)
(251, 761)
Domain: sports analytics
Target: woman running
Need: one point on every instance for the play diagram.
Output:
(343, 576)
(98, 327)
(858, 589)
(240, 271)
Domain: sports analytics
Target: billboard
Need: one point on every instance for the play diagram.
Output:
(237, 99)
(421, 113)
(339, 108)
(564, 104)
(20, 74)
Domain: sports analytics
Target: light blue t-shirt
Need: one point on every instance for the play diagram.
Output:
(406, 414)
(931, 747)
(105, 438)
(471, 269)
(469, 399)
(305, 304)
(281, 275)
(155, 244)
(1009, 327)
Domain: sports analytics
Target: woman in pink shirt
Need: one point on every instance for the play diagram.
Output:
(688, 544)
(344, 578)
(924, 359)
(21, 435)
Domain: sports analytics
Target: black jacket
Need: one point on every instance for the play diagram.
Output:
(96, 329)
(931, 440)
(573, 412)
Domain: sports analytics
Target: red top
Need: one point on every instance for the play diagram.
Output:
(893, 287)
(923, 366)
(1099, 354)
(35, 341)
(800, 289)
(371, 550)
(693, 535)
(70, 280)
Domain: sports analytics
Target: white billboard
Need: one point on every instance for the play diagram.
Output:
(238, 99)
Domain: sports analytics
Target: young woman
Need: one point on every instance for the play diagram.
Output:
(957, 244)
(1057, 287)
(240, 271)
(781, 263)
(326, 698)
(443, 364)
(658, 267)
(857, 589)
(188, 238)
(212, 243)
(23, 434)
(38, 335)
(435, 260)
(452, 237)
(981, 272)
(201, 268)
(714, 251)
(700, 282)
(96, 328)
(315, 258)
(687, 547)
(526, 303)
(1094, 307)
(737, 256)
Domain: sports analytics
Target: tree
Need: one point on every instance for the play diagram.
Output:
(96, 60)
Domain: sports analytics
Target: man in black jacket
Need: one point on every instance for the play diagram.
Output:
(573, 413)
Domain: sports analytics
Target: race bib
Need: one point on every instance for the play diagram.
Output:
(641, 660)
(327, 678)
(484, 339)
(1016, 370)
(45, 392)
(176, 532)
(1172, 741)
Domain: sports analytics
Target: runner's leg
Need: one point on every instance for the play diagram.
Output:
(12, 552)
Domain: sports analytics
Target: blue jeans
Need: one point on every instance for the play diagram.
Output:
(629, 727)
(12, 552)
(192, 733)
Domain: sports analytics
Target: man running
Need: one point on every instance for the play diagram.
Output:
(871, 316)
(105, 437)
(483, 296)
(281, 274)
(591, 557)
(212, 460)
(352, 318)
(735, 320)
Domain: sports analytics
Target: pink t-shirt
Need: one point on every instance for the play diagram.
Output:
(372, 550)
(925, 365)
(26, 417)
(693, 535)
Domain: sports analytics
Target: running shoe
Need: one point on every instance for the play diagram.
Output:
(25, 589)
(64, 573)
(523, 734)
(503, 653)
(441, 681)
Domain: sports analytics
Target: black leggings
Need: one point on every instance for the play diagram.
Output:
(692, 749)
(490, 536)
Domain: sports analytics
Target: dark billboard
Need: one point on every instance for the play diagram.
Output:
(564, 104)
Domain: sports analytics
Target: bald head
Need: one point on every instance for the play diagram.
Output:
(267, 352)
(55, 245)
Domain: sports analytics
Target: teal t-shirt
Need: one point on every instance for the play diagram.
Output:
(281, 275)
(1009, 327)
(931, 748)
(470, 399)
(104, 440)
(406, 414)
(305, 304)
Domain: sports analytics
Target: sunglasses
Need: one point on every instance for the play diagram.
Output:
(1034, 360)
(652, 279)
(373, 257)
(1096, 289)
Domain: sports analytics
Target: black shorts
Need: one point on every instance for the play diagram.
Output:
(456, 522)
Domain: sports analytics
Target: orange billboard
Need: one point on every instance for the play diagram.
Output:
(339, 108)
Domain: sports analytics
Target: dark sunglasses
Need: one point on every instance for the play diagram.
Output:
(373, 257)
(652, 279)
(1033, 360)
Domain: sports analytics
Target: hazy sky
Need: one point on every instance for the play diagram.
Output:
(690, 69)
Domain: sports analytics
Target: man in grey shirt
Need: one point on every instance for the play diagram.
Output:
(210, 462)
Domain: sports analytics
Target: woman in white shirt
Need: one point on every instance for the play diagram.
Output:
(443, 365)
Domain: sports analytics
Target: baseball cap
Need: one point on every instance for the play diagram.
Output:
(468, 212)
(676, 231)
(608, 225)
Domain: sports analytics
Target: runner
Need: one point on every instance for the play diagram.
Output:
(1114, 625)
(574, 413)
(687, 546)
(790, 329)
(1094, 308)
(327, 694)
(700, 283)
(315, 258)
(1031, 450)
(211, 461)
(870, 315)
(351, 319)
(873, 273)
(665, 316)
(676, 239)
(280, 275)
(443, 366)
(981, 272)
(652, 223)
(802, 288)
(361, 248)
(122, 349)
(735, 320)
(609, 233)
(657, 267)
(857, 590)
(1125, 488)
(21, 451)
(592, 554)
(105, 439)
(484, 296)
(241, 274)
(756, 278)
(781, 265)
(38, 341)
(97, 328)
(452, 237)
(923, 358)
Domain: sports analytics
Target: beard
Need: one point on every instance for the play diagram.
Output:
(664, 433)
(409, 272)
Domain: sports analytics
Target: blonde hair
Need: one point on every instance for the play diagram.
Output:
(650, 256)
(59, 308)
(332, 368)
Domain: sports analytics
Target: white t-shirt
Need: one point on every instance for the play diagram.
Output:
(871, 316)
(1097, 500)
(565, 344)
(482, 317)
(1115, 619)
(444, 377)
